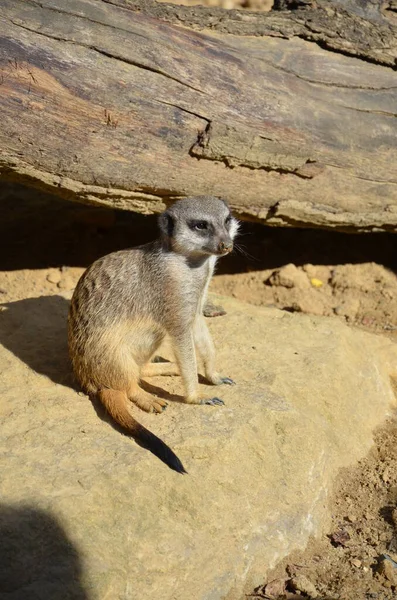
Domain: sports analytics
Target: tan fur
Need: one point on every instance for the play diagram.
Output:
(116, 403)
(126, 303)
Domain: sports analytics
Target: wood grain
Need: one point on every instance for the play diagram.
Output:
(114, 103)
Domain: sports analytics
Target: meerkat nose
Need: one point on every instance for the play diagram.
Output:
(225, 246)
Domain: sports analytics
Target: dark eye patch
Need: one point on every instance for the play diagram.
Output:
(228, 220)
(198, 225)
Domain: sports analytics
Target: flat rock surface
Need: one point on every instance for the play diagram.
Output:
(87, 513)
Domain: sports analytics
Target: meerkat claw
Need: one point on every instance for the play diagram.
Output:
(228, 381)
(213, 402)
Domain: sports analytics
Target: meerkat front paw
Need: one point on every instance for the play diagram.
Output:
(227, 381)
(212, 401)
(216, 379)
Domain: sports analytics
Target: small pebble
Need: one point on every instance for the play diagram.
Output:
(300, 583)
(54, 277)
(66, 283)
(387, 569)
(316, 282)
(351, 518)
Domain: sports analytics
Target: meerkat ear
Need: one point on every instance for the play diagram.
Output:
(166, 224)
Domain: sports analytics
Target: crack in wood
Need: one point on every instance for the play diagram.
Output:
(323, 83)
(293, 214)
(236, 146)
(357, 53)
(384, 113)
(108, 55)
(387, 182)
(187, 111)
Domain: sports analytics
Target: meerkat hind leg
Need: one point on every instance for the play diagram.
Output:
(144, 400)
(213, 310)
(144, 340)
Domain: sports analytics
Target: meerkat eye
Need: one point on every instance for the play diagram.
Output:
(228, 220)
(199, 225)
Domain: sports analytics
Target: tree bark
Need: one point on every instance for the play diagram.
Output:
(290, 115)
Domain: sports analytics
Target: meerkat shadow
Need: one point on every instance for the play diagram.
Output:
(156, 390)
(35, 331)
(37, 559)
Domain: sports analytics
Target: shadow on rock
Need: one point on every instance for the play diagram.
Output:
(36, 558)
(35, 330)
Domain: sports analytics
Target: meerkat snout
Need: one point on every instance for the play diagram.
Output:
(225, 246)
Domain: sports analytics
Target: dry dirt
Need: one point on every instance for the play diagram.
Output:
(357, 558)
(45, 244)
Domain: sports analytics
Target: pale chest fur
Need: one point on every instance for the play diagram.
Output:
(188, 284)
(210, 271)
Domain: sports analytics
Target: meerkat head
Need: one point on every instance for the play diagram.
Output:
(199, 226)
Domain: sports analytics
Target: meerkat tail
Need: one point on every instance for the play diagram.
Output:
(116, 403)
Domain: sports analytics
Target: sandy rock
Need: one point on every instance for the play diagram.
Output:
(54, 277)
(348, 307)
(300, 583)
(289, 276)
(311, 299)
(275, 588)
(66, 283)
(388, 570)
(394, 518)
(367, 277)
(94, 515)
(322, 272)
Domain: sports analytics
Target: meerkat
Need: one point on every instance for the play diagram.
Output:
(128, 301)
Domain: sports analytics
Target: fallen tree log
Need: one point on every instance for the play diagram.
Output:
(290, 115)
